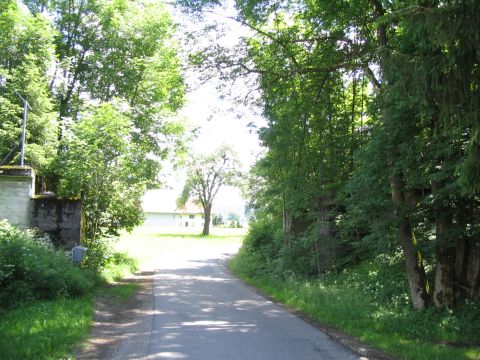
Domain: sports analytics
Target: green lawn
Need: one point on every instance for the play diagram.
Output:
(148, 244)
(44, 329)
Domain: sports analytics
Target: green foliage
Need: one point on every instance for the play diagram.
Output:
(233, 217)
(98, 254)
(30, 269)
(371, 142)
(24, 62)
(367, 226)
(217, 220)
(119, 265)
(100, 168)
(76, 59)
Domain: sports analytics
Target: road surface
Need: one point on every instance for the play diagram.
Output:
(200, 311)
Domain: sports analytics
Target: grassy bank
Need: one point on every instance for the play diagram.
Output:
(44, 329)
(49, 330)
(46, 303)
(350, 301)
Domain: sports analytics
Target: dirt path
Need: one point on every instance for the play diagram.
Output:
(121, 330)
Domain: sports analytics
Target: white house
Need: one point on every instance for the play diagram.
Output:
(161, 211)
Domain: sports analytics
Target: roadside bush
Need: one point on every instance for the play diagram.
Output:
(265, 242)
(98, 255)
(263, 236)
(122, 258)
(31, 269)
(119, 265)
(104, 261)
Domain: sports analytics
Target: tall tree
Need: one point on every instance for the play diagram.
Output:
(205, 176)
(421, 60)
(116, 49)
(103, 80)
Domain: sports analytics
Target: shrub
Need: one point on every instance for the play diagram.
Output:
(119, 266)
(261, 235)
(122, 258)
(101, 258)
(98, 255)
(31, 269)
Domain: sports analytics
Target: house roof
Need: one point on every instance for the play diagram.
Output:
(165, 201)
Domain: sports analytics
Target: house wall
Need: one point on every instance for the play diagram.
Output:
(159, 219)
(173, 219)
(190, 220)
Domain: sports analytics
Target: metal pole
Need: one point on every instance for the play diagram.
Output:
(24, 123)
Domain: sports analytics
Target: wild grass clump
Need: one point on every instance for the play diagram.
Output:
(118, 266)
(31, 269)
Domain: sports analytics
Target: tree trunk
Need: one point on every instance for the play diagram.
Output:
(325, 243)
(413, 260)
(287, 222)
(445, 263)
(206, 225)
(473, 270)
(461, 253)
(287, 227)
(444, 276)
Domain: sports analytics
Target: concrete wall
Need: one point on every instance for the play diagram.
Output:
(59, 218)
(16, 189)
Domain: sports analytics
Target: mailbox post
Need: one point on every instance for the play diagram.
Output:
(78, 254)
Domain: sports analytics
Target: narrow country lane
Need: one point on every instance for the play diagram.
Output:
(203, 312)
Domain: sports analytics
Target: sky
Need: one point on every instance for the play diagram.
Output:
(220, 121)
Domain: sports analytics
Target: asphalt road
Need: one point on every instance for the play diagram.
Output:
(200, 311)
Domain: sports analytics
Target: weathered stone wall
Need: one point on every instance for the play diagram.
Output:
(16, 189)
(60, 218)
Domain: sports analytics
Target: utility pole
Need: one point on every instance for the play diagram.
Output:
(24, 124)
(26, 106)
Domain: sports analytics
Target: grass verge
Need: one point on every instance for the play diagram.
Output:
(119, 292)
(49, 330)
(44, 329)
(398, 330)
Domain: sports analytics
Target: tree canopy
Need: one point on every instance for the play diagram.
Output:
(371, 146)
(103, 80)
(206, 174)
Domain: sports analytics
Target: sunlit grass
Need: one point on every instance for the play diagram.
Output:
(51, 329)
(149, 244)
(188, 231)
(44, 329)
